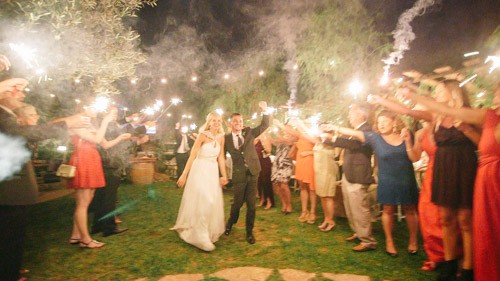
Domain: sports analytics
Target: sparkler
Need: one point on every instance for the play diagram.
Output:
(495, 62)
(220, 111)
(173, 101)
(467, 80)
(101, 103)
(470, 54)
(355, 87)
(193, 126)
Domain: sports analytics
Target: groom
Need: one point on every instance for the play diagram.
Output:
(246, 168)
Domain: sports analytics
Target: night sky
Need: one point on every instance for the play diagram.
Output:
(443, 34)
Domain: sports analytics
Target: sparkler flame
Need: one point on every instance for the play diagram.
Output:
(495, 62)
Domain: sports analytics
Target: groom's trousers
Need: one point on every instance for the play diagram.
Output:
(244, 192)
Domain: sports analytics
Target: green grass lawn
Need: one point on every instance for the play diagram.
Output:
(149, 249)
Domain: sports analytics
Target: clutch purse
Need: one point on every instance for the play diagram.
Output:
(66, 171)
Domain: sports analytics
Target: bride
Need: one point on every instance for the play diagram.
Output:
(200, 221)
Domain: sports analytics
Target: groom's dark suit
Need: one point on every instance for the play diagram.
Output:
(246, 169)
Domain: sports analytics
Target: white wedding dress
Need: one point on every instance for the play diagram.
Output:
(200, 221)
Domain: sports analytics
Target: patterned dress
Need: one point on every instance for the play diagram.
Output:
(282, 167)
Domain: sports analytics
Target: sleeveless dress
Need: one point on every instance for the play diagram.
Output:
(429, 216)
(282, 168)
(455, 166)
(88, 163)
(486, 212)
(326, 170)
(396, 179)
(200, 221)
(304, 165)
(264, 184)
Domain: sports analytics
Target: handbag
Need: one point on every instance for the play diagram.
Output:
(65, 170)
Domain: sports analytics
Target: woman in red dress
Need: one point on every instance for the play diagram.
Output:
(486, 204)
(89, 175)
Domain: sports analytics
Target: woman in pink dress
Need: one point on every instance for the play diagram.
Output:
(89, 174)
(486, 203)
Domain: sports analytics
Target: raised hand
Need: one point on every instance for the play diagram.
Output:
(13, 83)
(263, 105)
(405, 135)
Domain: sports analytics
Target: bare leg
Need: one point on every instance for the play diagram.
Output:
(465, 222)
(412, 223)
(83, 199)
(450, 232)
(277, 190)
(287, 197)
(388, 225)
(304, 198)
(313, 198)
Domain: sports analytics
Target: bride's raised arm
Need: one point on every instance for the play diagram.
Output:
(194, 153)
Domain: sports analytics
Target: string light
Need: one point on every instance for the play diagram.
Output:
(226, 76)
(261, 73)
(470, 54)
(163, 80)
(194, 78)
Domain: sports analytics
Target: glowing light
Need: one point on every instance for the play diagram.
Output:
(148, 111)
(385, 78)
(481, 94)
(261, 73)
(184, 129)
(468, 80)
(78, 101)
(169, 114)
(219, 111)
(135, 118)
(163, 80)
(294, 113)
(27, 54)
(133, 81)
(355, 87)
(400, 80)
(471, 54)
(52, 95)
(184, 116)
(189, 116)
(194, 78)
(495, 64)
(101, 103)
(77, 81)
(193, 126)
(254, 115)
(271, 110)
(125, 109)
(39, 71)
(226, 76)
(27, 89)
(61, 148)
(332, 62)
(275, 129)
(175, 101)
(295, 67)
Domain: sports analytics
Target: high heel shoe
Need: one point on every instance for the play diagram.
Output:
(329, 227)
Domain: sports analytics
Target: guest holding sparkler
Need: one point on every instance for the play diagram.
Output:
(396, 179)
(486, 210)
(89, 173)
(264, 185)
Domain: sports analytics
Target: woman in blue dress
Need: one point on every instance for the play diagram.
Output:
(396, 178)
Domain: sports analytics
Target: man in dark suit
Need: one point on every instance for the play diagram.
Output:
(357, 177)
(183, 145)
(21, 190)
(246, 168)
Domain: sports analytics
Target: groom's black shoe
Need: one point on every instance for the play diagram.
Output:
(250, 238)
(228, 229)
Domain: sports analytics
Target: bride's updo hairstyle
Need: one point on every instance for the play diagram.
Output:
(208, 119)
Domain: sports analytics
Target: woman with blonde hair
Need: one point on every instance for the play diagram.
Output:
(482, 234)
(200, 221)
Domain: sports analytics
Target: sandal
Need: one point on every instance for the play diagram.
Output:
(311, 219)
(329, 227)
(303, 216)
(74, 241)
(429, 266)
(91, 244)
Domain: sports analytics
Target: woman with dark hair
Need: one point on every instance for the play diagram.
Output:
(264, 185)
(396, 179)
(486, 210)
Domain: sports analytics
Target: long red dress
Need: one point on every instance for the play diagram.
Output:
(486, 205)
(430, 225)
(86, 158)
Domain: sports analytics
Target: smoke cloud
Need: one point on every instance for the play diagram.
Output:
(13, 155)
(403, 34)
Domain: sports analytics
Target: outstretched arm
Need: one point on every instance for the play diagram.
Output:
(194, 153)
(264, 124)
(468, 115)
(398, 108)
